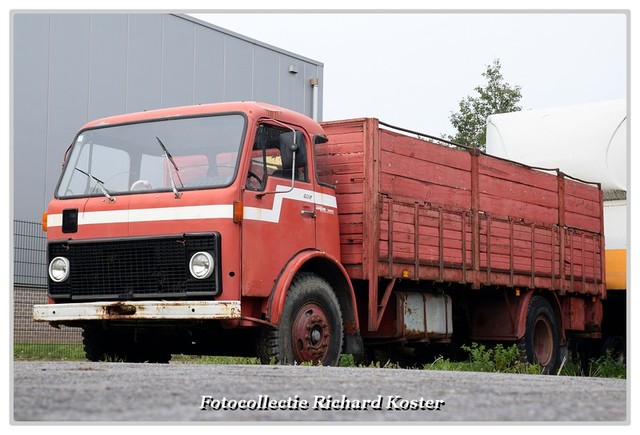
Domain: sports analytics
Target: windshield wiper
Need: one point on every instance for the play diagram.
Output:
(99, 183)
(169, 158)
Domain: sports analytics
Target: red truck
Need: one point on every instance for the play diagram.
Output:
(248, 229)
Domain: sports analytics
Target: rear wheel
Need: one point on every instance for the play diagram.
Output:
(311, 327)
(541, 341)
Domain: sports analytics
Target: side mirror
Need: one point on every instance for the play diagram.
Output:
(293, 142)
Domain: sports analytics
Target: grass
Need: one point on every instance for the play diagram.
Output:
(75, 352)
(497, 359)
(48, 352)
(606, 366)
(481, 358)
(502, 359)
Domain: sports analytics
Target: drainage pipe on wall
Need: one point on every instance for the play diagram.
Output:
(314, 99)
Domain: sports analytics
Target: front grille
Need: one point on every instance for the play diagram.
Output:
(135, 268)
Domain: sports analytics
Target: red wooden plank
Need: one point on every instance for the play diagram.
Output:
(510, 189)
(449, 230)
(351, 229)
(582, 206)
(426, 172)
(401, 145)
(582, 222)
(348, 188)
(350, 219)
(334, 127)
(337, 150)
(424, 241)
(507, 170)
(502, 207)
(581, 190)
(406, 251)
(352, 249)
(404, 187)
(330, 160)
(347, 259)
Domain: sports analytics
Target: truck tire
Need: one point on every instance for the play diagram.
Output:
(310, 330)
(541, 339)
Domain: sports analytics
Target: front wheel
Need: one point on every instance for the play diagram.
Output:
(542, 338)
(310, 330)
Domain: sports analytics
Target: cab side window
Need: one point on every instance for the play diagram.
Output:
(271, 158)
(256, 177)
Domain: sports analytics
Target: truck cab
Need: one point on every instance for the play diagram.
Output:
(182, 230)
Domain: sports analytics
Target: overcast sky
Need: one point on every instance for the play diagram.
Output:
(411, 70)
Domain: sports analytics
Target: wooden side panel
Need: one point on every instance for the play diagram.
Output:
(582, 206)
(508, 190)
(423, 235)
(449, 215)
(425, 220)
(340, 163)
(418, 171)
(534, 223)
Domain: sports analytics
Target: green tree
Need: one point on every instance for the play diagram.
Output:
(495, 96)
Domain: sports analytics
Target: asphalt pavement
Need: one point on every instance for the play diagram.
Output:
(123, 393)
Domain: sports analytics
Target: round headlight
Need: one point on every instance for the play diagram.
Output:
(59, 269)
(201, 265)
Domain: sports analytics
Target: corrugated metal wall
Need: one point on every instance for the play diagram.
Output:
(72, 68)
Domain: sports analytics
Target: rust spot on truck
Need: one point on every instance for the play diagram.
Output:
(120, 309)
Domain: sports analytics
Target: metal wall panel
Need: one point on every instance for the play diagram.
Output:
(177, 62)
(266, 83)
(292, 85)
(70, 68)
(68, 90)
(107, 65)
(238, 70)
(30, 88)
(144, 62)
(208, 84)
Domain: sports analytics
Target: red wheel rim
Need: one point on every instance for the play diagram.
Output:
(543, 341)
(311, 333)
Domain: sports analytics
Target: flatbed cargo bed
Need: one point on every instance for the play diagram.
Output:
(413, 209)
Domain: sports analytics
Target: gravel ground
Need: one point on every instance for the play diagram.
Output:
(120, 392)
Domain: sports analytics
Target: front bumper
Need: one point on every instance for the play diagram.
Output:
(137, 310)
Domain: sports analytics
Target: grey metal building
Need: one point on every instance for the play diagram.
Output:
(69, 68)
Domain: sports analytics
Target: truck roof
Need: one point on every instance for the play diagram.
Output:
(254, 109)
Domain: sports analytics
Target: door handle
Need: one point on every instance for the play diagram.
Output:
(308, 213)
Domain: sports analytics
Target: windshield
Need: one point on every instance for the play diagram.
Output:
(174, 154)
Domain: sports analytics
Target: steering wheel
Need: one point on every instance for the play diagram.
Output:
(253, 175)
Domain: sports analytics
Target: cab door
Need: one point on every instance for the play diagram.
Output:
(279, 207)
